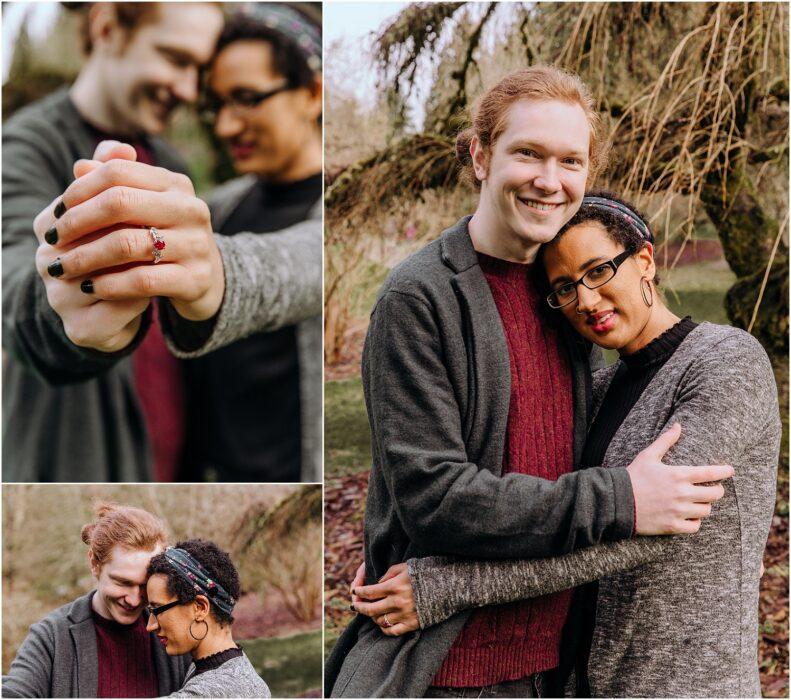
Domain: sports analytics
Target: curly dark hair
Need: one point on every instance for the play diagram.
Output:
(289, 60)
(618, 229)
(214, 560)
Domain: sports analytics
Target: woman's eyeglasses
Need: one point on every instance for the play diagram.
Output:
(595, 277)
(161, 608)
(241, 102)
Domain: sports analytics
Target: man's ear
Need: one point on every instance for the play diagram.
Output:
(480, 158)
(103, 27)
(645, 261)
(95, 568)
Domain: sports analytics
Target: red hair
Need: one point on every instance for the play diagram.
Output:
(130, 527)
(540, 82)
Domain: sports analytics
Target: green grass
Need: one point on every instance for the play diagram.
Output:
(290, 665)
(347, 437)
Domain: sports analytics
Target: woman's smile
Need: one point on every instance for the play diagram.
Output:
(602, 322)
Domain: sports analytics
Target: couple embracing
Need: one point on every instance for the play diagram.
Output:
(158, 622)
(537, 525)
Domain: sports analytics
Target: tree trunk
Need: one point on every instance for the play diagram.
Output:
(747, 234)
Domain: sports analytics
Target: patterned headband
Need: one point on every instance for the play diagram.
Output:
(191, 570)
(291, 24)
(604, 204)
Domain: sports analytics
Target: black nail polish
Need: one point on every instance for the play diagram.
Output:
(51, 236)
(352, 608)
(87, 286)
(55, 268)
(60, 209)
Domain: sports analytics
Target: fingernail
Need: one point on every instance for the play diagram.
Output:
(51, 236)
(87, 286)
(55, 268)
(60, 209)
(354, 591)
(352, 608)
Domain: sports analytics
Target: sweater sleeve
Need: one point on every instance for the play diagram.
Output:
(446, 503)
(33, 332)
(271, 281)
(30, 674)
(726, 405)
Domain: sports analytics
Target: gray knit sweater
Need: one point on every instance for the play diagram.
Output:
(234, 679)
(676, 616)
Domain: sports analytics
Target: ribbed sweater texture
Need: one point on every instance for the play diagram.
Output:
(126, 661)
(507, 642)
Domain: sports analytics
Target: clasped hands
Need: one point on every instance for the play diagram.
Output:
(96, 255)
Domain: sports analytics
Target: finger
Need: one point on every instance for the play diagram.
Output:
(143, 282)
(359, 580)
(380, 607)
(122, 205)
(393, 571)
(685, 527)
(109, 149)
(119, 247)
(698, 511)
(707, 494)
(700, 475)
(127, 174)
(44, 220)
(664, 442)
(375, 591)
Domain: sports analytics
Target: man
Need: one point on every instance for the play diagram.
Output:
(479, 405)
(97, 645)
(74, 413)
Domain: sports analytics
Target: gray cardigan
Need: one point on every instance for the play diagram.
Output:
(235, 678)
(271, 281)
(436, 377)
(676, 616)
(58, 658)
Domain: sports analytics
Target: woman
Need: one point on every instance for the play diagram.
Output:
(192, 589)
(673, 616)
(264, 98)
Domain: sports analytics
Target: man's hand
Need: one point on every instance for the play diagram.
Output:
(668, 499)
(390, 602)
(108, 326)
(122, 200)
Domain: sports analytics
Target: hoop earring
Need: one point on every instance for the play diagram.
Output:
(648, 298)
(199, 639)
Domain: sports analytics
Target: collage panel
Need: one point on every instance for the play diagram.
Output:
(556, 264)
(162, 249)
(176, 590)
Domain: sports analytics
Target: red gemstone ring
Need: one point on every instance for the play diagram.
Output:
(159, 244)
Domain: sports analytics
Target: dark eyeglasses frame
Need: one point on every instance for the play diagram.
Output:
(162, 608)
(213, 106)
(613, 264)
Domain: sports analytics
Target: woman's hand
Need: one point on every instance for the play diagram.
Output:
(104, 239)
(390, 603)
(108, 326)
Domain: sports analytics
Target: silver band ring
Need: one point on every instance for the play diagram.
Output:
(159, 244)
(387, 622)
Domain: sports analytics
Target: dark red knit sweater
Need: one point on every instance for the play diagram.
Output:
(126, 660)
(507, 642)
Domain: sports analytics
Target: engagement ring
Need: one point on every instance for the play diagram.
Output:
(159, 244)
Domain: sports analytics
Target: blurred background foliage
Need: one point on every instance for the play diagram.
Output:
(45, 563)
(695, 96)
